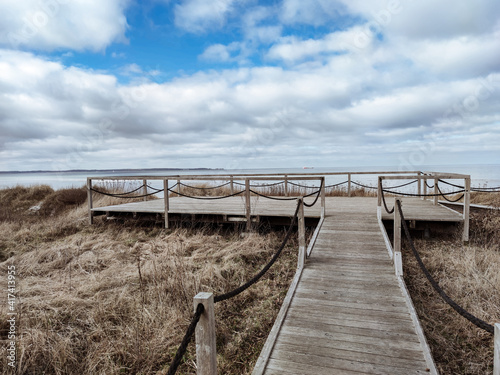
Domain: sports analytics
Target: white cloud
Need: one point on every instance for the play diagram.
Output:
(61, 24)
(197, 16)
(428, 19)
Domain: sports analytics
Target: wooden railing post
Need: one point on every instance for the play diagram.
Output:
(425, 188)
(398, 260)
(232, 185)
(379, 192)
(247, 204)
(348, 184)
(302, 235)
(206, 352)
(89, 199)
(323, 197)
(145, 189)
(178, 187)
(165, 198)
(436, 191)
(286, 186)
(465, 236)
(419, 183)
(496, 351)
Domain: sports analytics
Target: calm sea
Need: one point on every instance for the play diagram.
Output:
(482, 175)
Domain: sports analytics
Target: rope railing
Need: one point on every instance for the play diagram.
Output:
(271, 197)
(460, 310)
(205, 188)
(423, 195)
(205, 198)
(477, 189)
(318, 194)
(260, 185)
(181, 351)
(127, 194)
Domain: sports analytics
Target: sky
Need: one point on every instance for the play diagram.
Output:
(92, 84)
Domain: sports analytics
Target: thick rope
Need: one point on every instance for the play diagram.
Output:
(317, 196)
(185, 341)
(257, 277)
(423, 195)
(128, 196)
(335, 185)
(448, 199)
(204, 198)
(270, 197)
(391, 211)
(363, 186)
(429, 186)
(260, 185)
(478, 322)
(205, 188)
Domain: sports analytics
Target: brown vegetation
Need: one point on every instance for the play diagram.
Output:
(469, 274)
(111, 298)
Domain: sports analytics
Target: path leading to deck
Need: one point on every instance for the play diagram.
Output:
(348, 314)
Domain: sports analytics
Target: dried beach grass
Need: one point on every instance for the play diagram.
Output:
(114, 298)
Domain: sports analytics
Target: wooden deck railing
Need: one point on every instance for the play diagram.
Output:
(422, 185)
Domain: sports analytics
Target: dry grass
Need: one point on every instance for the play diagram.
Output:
(116, 299)
(469, 274)
(205, 189)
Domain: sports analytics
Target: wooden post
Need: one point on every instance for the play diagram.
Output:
(145, 189)
(302, 236)
(379, 192)
(178, 187)
(496, 352)
(89, 199)
(419, 184)
(348, 184)
(323, 197)
(425, 188)
(286, 186)
(247, 204)
(465, 236)
(436, 191)
(165, 198)
(398, 260)
(232, 185)
(206, 351)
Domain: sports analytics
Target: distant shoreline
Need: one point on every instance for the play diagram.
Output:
(126, 170)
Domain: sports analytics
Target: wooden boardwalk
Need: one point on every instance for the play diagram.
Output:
(348, 314)
(415, 208)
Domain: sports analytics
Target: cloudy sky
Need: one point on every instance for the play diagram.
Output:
(248, 83)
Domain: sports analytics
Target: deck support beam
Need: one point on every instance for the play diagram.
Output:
(206, 352)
